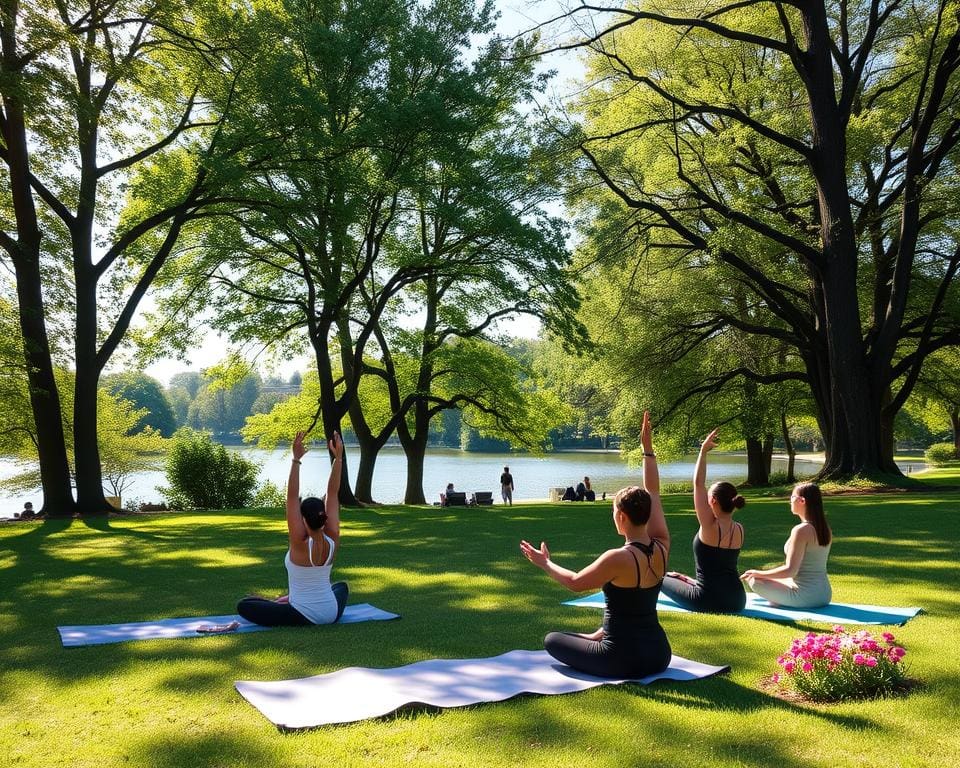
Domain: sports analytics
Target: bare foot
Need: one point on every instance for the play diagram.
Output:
(219, 629)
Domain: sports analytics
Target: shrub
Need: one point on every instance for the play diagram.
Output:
(269, 495)
(841, 665)
(203, 475)
(939, 454)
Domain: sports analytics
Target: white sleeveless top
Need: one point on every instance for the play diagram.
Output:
(310, 591)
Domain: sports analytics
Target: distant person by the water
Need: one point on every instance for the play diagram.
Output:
(27, 513)
(446, 494)
(716, 546)
(506, 486)
(584, 491)
(801, 582)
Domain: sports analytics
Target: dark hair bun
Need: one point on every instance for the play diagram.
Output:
(739, 501)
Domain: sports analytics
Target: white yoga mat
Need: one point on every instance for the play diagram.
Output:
(758, 608)
(100, 634)
(358, 693)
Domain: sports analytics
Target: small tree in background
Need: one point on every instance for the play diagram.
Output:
(202, 475)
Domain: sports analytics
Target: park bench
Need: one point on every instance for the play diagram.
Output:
(483, 498)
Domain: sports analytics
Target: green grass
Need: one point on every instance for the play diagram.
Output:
(463, 589)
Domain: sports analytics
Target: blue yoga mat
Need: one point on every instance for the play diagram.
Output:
(758, 608)
(101, 634)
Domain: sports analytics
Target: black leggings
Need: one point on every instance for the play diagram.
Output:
(269, 613)
(600, 658)
(694, 597)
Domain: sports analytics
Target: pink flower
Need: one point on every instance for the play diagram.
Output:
(808, 667)
(888, 637)
(838, 628)
(859, 659)
(788, 667)
(870, 661)
(775, 678)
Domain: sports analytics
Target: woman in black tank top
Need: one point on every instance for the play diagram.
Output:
(716, 547)
(631, 643)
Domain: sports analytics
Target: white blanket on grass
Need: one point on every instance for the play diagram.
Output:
(358, 693)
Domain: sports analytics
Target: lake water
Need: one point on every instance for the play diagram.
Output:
(533, 475)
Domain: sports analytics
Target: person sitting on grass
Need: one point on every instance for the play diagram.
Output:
(313, 528)
(716, 546)
(802, 581)
(631, 642)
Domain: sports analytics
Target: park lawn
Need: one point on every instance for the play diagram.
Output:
(463, 589)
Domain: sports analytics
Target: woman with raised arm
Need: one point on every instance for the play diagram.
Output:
(716, 546)
(802, 581)
(313, 527)
(631, 642)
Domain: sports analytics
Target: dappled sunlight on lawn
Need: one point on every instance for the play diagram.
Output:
(75, 587)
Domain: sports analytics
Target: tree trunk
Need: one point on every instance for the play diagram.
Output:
(791, 451)
(415, 449)
(768, 454)
(757, 474)
(25, 254)
(955, 425)
(850, 403)
(44, 396)
(90, 497)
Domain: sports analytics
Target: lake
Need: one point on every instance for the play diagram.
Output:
(533, 475)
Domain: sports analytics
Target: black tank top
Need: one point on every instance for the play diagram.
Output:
(631, 611)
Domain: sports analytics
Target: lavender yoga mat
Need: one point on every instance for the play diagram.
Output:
(100, 634)
(359, 693)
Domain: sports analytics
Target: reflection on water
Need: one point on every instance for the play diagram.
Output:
(533, 475)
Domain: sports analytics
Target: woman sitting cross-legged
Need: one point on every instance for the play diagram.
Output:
(802, 581)
(716, 546)
(313, 526)
(631, 642)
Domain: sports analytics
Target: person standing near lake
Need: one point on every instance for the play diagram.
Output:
(313, 531)
(631, 642)
(506, 486)
(716, 546)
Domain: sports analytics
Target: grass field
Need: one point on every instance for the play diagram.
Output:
(463, 590)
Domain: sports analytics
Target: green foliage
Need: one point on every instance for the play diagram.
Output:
(202, 474)
(270, 495)
(147, 394)
(940, 454)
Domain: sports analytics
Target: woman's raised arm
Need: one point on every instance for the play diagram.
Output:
(657, 526)
(332, 527)
(701, 503)
(295, 525)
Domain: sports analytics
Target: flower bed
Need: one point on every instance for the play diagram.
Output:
(842, 665)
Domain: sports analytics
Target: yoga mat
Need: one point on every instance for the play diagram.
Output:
(94, 634)
(358, 693)
(758, 608)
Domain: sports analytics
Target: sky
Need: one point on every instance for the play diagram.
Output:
(517, 16)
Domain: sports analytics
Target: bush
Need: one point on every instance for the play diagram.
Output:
(269, 495)
(841, 665)
(939, 454)
(203, 475)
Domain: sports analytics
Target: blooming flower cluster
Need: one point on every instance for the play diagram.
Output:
(842, 665)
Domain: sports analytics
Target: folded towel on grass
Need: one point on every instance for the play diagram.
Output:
(100, 634)
(358, 693)
(758, 608)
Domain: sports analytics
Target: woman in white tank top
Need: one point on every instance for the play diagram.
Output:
(313, 527)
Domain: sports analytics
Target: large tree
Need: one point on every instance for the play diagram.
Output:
(805, 151)
(92, 94)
